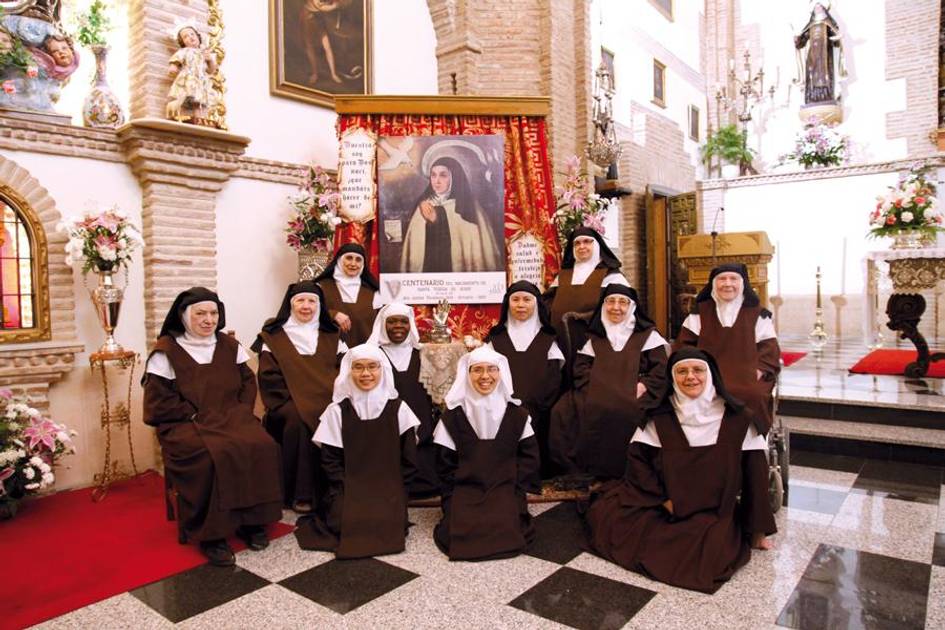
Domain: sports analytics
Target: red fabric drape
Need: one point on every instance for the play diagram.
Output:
(529, 195)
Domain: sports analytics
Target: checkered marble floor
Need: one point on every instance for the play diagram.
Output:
(861, 545)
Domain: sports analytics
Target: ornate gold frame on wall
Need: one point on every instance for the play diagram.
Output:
(42, 329)
(280, 86)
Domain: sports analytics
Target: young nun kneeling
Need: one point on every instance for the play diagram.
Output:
(368, 440)
(672, 517)
(488, 461)
(395, 331)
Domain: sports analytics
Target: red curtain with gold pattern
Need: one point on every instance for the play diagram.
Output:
(529, 194)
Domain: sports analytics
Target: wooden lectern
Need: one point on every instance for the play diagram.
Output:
(751, 248)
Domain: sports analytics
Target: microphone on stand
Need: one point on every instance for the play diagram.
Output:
(715, 234)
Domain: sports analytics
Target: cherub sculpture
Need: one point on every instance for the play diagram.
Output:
(192, 95)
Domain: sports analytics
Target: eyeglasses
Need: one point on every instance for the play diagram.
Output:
(696, 370)
(479, 370)
(366, 367)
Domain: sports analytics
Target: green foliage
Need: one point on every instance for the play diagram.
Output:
(94, 24)
(727, 143)
(17, 56)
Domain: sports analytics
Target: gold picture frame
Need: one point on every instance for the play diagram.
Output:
(317, 72)
(41, 330)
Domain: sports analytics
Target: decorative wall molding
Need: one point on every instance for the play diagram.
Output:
(270, 171)
(820, 173)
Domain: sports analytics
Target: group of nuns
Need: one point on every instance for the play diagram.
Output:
(573, 384)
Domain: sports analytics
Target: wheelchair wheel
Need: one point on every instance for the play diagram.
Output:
(775, 490)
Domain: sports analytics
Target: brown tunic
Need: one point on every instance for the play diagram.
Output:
(578, 298)
(367, 511)
(537, 382)
(361, 312)
(425, 483)
(592, 424)
(296, 389)
(485, 512)
(739, 356)
(224, 466)
(700, 545)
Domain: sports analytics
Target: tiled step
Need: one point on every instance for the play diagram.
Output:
(866, 413)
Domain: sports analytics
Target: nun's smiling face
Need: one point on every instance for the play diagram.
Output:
(690, 377)
(204, 318)
(304, 307)
(616, 308)
(351, 264)
(366, 374)
(584, 248)
(397, 327)
(484, 377)
(728, 285)
(521, 305)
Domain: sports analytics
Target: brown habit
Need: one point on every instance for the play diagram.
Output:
(296, 389)
(591, 425)
(485, 512)
(425, 483)
(224, 466)
(700, 545)
(537, 382)
(367, 503)
(581, 298)
(361, 312)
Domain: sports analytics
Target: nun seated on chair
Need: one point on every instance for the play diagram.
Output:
(199, 395)
(673, 515)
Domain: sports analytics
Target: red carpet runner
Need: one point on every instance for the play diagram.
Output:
(894, 362)
(790, 358)
(64, 552)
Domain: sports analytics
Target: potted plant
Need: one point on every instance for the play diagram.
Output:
(909, 212)
(728, 144)
(315, 216)
(578, 205)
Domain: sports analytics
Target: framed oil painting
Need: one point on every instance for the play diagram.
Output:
(319, 49)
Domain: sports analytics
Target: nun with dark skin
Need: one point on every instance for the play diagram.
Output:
(730, 323)
(299, 351)
(618, 372)
(525, 337)
(673, 515)
(351, 293)
(199, 395)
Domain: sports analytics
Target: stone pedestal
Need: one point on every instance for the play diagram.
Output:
(827, 113)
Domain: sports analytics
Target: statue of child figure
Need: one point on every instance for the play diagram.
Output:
(192, 94)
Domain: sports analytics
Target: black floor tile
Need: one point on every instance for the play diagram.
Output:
(938, 551)
(581, 600)
(896, 480)
(826, 461)
(344, 585)
(559, 534)
(815, 499)
(845, 588)
(197, 590)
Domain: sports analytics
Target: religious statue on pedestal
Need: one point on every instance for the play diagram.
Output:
(820, 61)
(192, 94)
(36, 56)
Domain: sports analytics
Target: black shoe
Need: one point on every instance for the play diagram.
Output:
(218, 553)
(254, 536)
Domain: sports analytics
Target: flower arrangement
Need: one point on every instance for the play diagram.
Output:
(911, 205)
(103, 240)
(819, 144)
(30, 446)
(93, 25)
(315, 211)
(577, 205)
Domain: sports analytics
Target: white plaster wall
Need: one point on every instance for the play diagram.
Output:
(74, 184)
(867, 95)
(254, 263)
(637, 33)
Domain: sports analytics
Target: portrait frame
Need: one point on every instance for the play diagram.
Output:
(287, 59)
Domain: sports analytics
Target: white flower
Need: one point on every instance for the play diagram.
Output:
(28, 472)
(336, 221)
(32, 412)
(906, 216)
(32, 486)
(44, 468)
(48, 479)
(62, 436)
(35, 461)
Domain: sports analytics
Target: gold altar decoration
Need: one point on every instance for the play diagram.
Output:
(753, 249)
(217, 113)
(117, 416)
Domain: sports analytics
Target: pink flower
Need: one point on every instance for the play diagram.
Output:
(6, 394)
(41, 431)
(573, 163)
(891, 220)
(106, 220)
(32, 72)
(578, 202)
(8, 87)
(919, 200)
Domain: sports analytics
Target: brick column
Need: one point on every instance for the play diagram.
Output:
(181, 169)
(458, 49)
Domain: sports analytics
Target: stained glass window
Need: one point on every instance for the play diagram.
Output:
(16, 271)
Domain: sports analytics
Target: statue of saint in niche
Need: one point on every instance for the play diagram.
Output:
(824, 56)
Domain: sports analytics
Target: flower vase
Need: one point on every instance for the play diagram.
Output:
(101, 107)
(107, 300)
(313, 259)
(912, 239)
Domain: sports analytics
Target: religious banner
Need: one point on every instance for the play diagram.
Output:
(356, 161)
(441, 214)
(527, 260)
